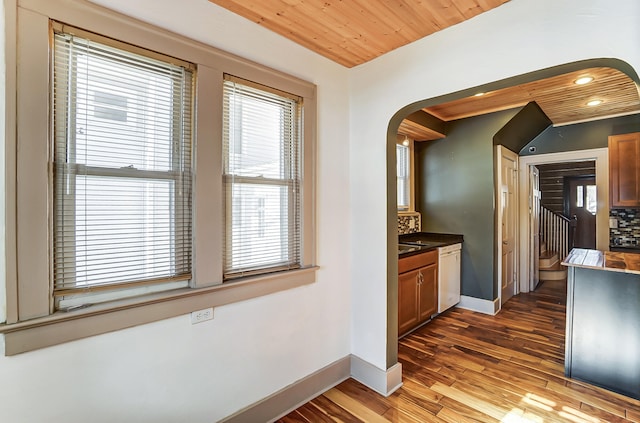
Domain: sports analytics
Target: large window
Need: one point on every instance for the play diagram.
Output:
(129, 206)
(122, 160)
(261, 145)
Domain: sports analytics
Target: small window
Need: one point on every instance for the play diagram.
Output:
(403, 176)
(580, 196)
(262, 179)
(122, 184)
(592, 199)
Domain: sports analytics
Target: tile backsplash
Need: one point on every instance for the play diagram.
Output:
(628, 230)
(409, 223)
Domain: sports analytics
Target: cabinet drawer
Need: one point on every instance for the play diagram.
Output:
(419, 260)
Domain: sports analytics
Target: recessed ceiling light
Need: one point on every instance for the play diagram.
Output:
(594, 103)
(583, 80)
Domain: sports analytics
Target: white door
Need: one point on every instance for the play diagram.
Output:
(534, 213)
(507, 221)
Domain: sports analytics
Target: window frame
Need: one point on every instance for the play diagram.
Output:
(411, 209)
(290, 180)
(31, 321)
(66, 165)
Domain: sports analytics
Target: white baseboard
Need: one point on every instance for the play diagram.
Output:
(384, 382)
(281, 403)
(478, 304)
(291, 397)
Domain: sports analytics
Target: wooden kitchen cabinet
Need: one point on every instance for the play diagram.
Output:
(417, 290)
(624, 170)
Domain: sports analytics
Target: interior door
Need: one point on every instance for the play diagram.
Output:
(508, 162)
(534, 213)
(581, 204)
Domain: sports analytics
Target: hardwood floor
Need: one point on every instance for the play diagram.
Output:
(469, 367)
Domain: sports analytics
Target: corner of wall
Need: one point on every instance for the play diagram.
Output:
(490, 307)
(384, 382)
(3, 79)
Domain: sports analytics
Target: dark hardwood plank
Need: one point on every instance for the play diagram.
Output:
(465, 367)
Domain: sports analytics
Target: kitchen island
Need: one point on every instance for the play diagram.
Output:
(603, 319)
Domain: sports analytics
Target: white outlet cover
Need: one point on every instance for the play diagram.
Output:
(203, 315)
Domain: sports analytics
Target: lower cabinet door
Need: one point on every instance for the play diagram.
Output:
(428, 293)
(407, 301)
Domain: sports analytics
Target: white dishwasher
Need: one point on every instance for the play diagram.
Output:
(448, 276)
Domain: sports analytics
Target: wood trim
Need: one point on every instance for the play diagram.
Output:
(8, 276)
(94, 320)
(207, 256)
(33, 193)
(289, 398)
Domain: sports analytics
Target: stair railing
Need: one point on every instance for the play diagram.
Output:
(556, 232)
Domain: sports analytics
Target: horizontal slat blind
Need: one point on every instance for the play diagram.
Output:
(122, 166)
(261, 143)
(402, 168)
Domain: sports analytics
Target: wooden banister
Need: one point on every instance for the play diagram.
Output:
(556, 231)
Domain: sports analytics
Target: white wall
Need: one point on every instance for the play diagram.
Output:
(518, 37)
(3, 301)
(172, 371)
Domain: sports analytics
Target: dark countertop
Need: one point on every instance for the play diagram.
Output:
(428, 240)
(625, 248)
(604, 260)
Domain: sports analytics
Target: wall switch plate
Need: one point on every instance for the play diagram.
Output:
(412, 223)
(202, 315)
(613, 222)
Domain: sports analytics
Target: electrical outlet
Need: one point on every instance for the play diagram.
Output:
(202, 315)
(613, 222)
(412, 224)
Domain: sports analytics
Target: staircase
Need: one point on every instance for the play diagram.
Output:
(550, 268)
(556, 235)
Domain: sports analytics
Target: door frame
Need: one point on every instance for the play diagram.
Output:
(601, 158)
(501, 151)
(534, 224)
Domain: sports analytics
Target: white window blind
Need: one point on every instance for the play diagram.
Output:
(122, 168)
(402, 168)
(261, 146)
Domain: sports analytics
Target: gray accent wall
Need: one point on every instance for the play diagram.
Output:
(455, 194)
(581, 136)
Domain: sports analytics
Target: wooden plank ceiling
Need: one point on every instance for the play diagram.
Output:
(559, 97)
(352, 32)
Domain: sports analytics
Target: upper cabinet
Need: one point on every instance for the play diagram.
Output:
(624, 170)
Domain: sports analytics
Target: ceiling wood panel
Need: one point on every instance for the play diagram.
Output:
(352, 32)
(355, 31)
(559, 97)
(418, 132)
